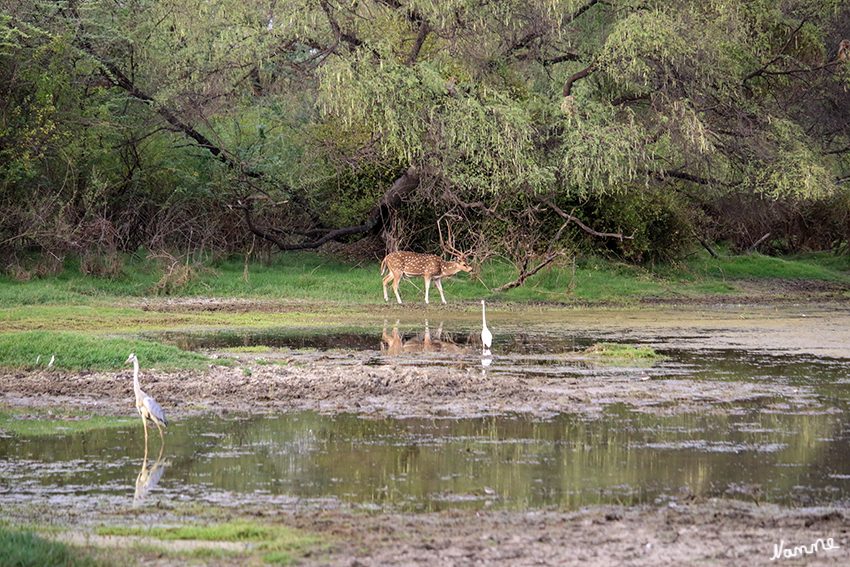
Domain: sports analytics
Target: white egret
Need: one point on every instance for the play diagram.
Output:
(486, 335)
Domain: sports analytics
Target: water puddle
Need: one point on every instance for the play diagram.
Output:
(430, 464)
(782, 454)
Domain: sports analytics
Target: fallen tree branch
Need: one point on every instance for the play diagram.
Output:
(551, 255)
(527, 274)
(752, 248)
(706, 246)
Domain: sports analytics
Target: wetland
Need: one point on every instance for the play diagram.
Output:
(395, 439)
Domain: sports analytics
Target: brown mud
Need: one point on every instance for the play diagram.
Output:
(696, 532)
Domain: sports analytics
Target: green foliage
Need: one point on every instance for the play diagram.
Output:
(311, 110)
(656, 220)
(481, 139)
(25, 549)
(601, 154)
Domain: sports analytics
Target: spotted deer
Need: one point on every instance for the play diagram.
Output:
(427, 266)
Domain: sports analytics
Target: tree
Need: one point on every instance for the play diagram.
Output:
(316, 120)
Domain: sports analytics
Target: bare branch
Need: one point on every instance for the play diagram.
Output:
(762, 71)
(568, 85)
(551, 255)
(752, 248)
(393, 197)
(707, 246)
(584, 227)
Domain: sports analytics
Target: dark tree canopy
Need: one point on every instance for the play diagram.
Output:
(533, 126)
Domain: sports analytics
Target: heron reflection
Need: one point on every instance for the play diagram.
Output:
(148, 478)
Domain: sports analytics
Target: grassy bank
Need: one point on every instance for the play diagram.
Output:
(92, 323)
(308, 277)
(25, 549)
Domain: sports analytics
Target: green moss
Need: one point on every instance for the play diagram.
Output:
(618, 351)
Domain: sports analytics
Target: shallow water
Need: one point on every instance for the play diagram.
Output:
(774, 453)
(430, 464)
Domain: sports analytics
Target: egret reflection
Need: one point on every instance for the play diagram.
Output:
(486, 358)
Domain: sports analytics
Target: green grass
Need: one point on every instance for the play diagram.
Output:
(619, 351)
(79, 351)
(24, 549)
(815, 267)
(274, 543)
(306, 289)
(49, 423)
(310, 278)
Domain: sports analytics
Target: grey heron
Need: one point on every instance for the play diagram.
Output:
(147, 406)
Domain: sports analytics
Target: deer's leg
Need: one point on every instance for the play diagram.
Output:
(387, 279)
(440, 287)
(427, 287)
(397, 279)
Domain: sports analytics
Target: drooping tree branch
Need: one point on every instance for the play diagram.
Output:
(117, 77)
(584, 227)
(402, 187)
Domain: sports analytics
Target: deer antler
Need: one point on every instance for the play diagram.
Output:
(449, 248)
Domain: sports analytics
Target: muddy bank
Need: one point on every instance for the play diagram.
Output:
(716, 532)
(282, 380)
(388, 391)
(712, 532)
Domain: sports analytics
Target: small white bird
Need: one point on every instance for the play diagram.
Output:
(486, 335)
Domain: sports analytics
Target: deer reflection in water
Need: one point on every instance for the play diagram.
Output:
(394, 343)
(147, 479)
